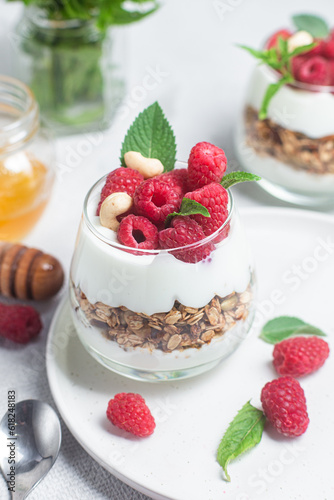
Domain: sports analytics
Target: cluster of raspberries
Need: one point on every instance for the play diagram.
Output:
(283, 399)
(314, 67)
(155, 198)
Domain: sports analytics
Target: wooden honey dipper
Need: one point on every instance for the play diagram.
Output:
(28, 273)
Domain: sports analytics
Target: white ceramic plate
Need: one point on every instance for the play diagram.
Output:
(294, 253)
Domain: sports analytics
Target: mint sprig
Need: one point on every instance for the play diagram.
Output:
(315, 25)
(151, 135)
(188, 207)
(279, 58)
(243, 433)
(283, 327)
(236, 177)
(105, 13)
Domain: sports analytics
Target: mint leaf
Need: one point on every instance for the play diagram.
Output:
(302, 49)
(279, 59)
(243, 433)
(283, 327)
(235, 177)
(269, 57)
(152, 136)
(259, 54)
(283, 49)
(270, 92)
(188, 207)
(315, 25)
(309, 330)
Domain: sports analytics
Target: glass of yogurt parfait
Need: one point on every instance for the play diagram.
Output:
(290, 144)
(161, 279)
(151, 316)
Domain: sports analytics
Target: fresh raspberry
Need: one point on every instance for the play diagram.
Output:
(328, 50)
(272, 42)
(121, 180)
(206, 164)
(318, 50)
(185, 231)
(300, 355)
(138, 232)
(129, 412)
(19, 323)
(215, 198)
(314, 71)
(284, 405)
(177, 179)
(331, 72)
(296, 63)
(155, 199)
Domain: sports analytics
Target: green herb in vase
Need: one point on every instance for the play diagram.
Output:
(71, 57)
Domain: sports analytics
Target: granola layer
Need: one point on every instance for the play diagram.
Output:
(178, 329)
(297, 150)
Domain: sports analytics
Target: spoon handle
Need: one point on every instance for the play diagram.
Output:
(19, 495)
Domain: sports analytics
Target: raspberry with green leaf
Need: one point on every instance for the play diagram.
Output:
(215, 199)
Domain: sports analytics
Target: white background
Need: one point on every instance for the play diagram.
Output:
(193, 43)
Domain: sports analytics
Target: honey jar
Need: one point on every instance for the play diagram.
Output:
(26, 161)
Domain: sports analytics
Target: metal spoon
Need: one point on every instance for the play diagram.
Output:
(29, 449)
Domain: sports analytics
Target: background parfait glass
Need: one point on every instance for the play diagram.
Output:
(293, 148)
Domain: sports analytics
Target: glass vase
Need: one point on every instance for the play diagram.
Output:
(74, 70)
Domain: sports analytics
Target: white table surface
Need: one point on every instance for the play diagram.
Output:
(192, 44)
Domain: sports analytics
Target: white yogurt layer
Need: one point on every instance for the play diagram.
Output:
(301, 111)
(151, 283)
(280, 173)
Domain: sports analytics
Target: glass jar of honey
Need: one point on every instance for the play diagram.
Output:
(26, 161)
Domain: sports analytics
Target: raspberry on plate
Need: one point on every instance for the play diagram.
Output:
(273, 40)
(284, 404)
(19, 323)
(314, 71)
(121, 180)
(206, 164)
(215, 198)
(185, 231)
(299, 356)
(138, 232)
(177, 179)
(129, 412)
(155, 199)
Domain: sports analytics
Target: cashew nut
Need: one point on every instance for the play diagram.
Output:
(299, 39)
(148, 167)
(114, 205)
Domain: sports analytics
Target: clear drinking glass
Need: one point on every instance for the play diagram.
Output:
(149, 315)
(293, 149)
